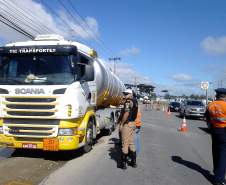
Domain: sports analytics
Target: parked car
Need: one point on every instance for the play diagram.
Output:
(174, 106)
(146, 100)
(192, 108)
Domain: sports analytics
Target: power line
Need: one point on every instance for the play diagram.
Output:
(87, 25)
(20, 19)
(53, 12)
(72, 16)
(14, 28)
(15, 19)
(27, 13)
(82, 23)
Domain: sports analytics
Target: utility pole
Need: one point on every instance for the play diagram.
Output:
(114, 59)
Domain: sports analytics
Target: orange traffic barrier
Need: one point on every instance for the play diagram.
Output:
(183, 127)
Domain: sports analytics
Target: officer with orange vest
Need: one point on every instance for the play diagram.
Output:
(216, 117)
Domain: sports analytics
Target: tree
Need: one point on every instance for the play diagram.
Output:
(184, 96)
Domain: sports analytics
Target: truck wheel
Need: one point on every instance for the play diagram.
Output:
(112, 120)
(89, 138)
(109, 131)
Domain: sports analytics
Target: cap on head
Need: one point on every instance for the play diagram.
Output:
(128, 91)
(221, 91)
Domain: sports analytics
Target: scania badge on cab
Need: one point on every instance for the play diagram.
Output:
(55, 95)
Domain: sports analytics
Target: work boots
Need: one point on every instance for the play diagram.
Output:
(133, 159)
(123, 161)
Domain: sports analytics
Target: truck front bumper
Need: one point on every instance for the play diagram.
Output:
(48, 144)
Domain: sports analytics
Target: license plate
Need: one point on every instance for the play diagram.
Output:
(51, 144)
(29, 145)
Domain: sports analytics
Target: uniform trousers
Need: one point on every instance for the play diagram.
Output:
(219, 153)
(127, 134)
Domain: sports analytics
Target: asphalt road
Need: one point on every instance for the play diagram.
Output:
(168, 157)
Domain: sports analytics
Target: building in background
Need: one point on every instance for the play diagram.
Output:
(143, 90)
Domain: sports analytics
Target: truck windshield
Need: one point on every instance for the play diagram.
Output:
(41, 69)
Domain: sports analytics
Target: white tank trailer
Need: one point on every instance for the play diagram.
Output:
(109, 87)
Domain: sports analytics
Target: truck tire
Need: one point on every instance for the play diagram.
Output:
(89, 137)
(112, 120)
(112, 128)
(109, 131)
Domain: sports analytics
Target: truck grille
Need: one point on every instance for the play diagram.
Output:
(29, 107)
(30, 128)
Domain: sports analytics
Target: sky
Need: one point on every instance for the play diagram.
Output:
(171, 44)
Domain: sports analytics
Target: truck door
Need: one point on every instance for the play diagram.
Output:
(87, 79)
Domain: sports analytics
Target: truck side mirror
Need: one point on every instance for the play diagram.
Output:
(89, 72)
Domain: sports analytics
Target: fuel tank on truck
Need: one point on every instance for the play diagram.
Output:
(109, 87)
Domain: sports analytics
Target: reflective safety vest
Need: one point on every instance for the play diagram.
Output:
(138, 119)
(217, 113)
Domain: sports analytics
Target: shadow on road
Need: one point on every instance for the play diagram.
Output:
(48, 155)
(178, 116)
(6, 152)
(195, 167)
(52, 156)
(115, 151)
(205, 129)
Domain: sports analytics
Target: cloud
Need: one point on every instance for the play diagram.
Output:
(36, 19)
(180, 89)
(87, 29)
(181, 77)
(214, 45)
(129, 51)
(127, 73)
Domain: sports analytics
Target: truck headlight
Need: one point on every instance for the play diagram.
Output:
(69, 110)
(1, 130)
(66, 132)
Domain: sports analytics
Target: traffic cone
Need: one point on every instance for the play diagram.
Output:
(183, 127)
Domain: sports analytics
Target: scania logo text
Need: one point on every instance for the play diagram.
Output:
(29, 91)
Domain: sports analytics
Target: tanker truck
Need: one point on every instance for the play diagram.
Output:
(55, 95)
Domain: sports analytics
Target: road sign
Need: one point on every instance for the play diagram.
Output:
(205, 85)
